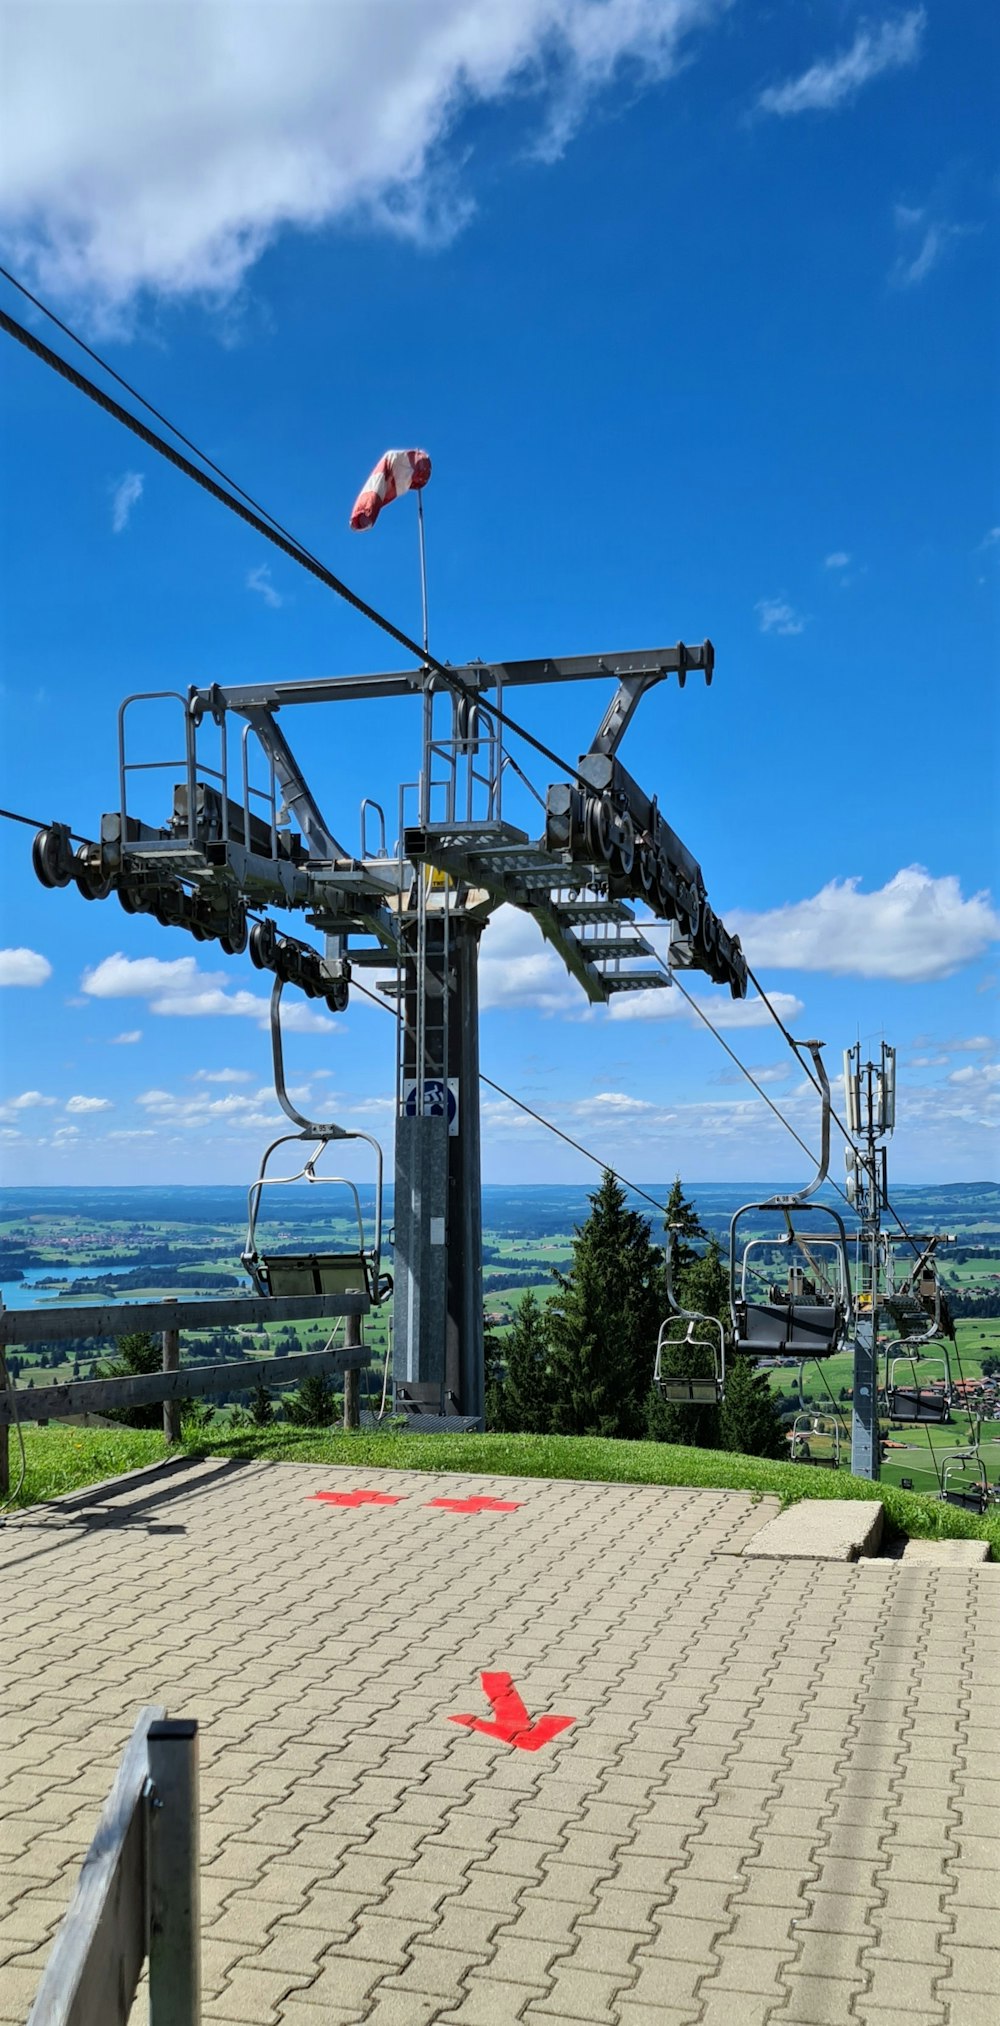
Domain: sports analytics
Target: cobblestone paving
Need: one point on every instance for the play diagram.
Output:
(778, 1800)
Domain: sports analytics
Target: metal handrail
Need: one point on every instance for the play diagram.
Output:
(137, 1894)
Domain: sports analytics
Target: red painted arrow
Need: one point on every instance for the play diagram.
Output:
(476, 1504)
(511, 1722)
(355, 1498)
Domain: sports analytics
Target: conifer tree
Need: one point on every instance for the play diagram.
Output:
(750, 1419)
(527, 1392)
(602, 1324)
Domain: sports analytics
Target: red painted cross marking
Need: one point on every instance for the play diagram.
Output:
(355, 1498)
(476, 1504)
(511, 1722)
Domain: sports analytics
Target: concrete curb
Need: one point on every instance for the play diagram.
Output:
(822, 1530)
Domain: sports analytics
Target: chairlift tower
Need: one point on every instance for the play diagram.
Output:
(870, 1100)
(245, 831)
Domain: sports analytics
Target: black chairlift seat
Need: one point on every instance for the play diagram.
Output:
(792, 1329)
(927, 1405)
(969, 1495)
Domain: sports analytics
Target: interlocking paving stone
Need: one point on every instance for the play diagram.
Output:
(775, 1806)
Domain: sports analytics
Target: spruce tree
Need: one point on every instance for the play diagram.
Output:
(602, 1324)
(750, 1420)
(314, 1402)
(527, 1393)
(261, 1407)
(138, 1355)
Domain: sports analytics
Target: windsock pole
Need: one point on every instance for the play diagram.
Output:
(423, 561)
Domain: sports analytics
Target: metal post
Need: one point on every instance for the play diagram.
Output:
(4, 1436)
(438, 1351)
(867, 1123)
(172, 1874)
(352, 1380)
(865, 1457)
(171, 1363)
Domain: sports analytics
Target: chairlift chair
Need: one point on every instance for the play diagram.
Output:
(811, 1315)
(801, 1449)
(928, 1401)
(704, 1336)
(357, 1270)
(972, 1496)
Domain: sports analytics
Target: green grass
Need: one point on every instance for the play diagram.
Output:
(61, 1460)
(64, 1459)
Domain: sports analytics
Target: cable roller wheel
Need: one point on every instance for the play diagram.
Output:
(51, 856)
(93, 882)
(598, 829)
(263, 945)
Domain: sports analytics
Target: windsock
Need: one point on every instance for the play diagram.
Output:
(397, 472)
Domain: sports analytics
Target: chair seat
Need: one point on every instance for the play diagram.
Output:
(793, 1328)
(299, 1273)
(690, 1392)
(907, 1404)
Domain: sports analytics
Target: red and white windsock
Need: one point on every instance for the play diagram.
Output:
(397, 472)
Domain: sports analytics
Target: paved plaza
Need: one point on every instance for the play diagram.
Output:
(776, 1800)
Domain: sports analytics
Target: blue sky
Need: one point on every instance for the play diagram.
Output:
(692, 305)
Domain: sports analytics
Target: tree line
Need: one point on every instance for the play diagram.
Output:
(581, 1362)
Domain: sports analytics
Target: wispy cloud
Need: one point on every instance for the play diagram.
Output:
(88, 1104)
(835, 80)
(259, 580)
(778, 616)
(126, 1040)
(926, 240)
(839, 560)
(124, 497)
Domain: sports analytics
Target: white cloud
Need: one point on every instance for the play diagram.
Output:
(175, 988)
(838, 560)
(125, 496)
(121, 977)
(127, 1039)
(611, 1104)
(163, 148)
(914, 928)
(926, 241)
(723, 1013)
(990, 540)
(23, 967)
(835, 80)
(259, 580)
(778, 616)
(223, 1076)
(518, 968)
(88, 1104)
(28, 1100)
(982, 1073)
